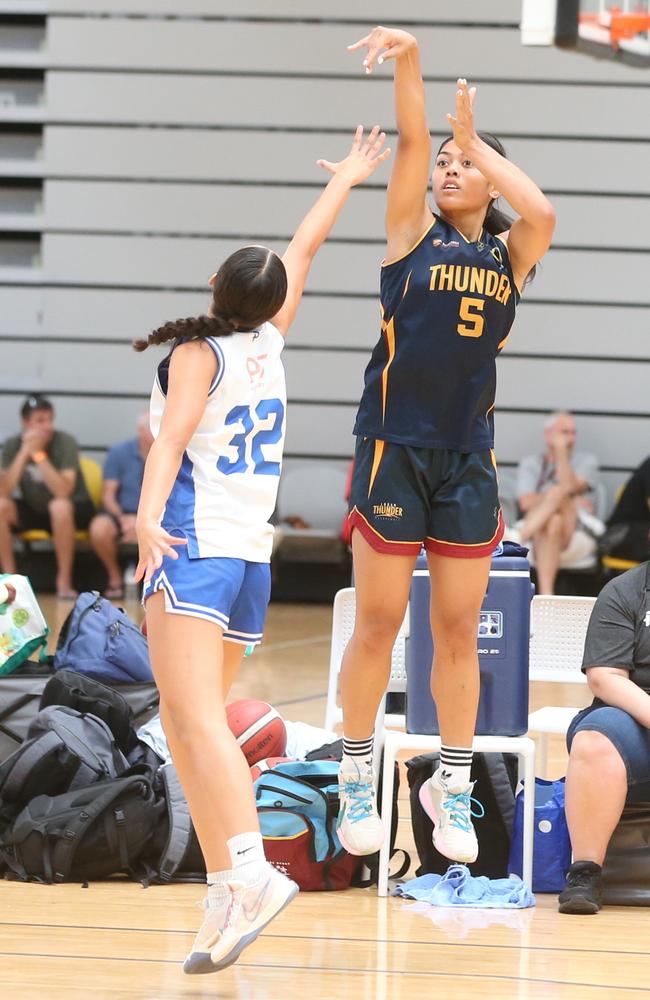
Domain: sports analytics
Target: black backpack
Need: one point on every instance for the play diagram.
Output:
(495, 777)
(75, 690)
(173, 854)
(65, 750)
(87, 834)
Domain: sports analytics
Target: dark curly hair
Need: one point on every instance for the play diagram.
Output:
(250, 288)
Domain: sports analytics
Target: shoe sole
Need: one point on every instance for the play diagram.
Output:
(427, 804)
(205, 965)
(580, 905)
(355, 851)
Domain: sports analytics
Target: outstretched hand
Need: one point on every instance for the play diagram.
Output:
(462, 123)
(363, 159)
(153, 543)
(383, 43)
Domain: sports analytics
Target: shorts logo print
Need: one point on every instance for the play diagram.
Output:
(387, 510)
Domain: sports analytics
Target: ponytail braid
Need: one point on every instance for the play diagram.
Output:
(193, 328)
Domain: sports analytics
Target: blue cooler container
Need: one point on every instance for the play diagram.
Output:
(503, 640)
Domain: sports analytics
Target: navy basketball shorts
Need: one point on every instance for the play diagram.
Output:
(403, 498)
(232, 593)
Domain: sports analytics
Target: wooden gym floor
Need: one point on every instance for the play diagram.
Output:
(118, 941)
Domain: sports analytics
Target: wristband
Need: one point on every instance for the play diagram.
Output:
(39, 456)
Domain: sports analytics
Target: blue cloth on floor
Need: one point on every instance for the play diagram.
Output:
(457, 887)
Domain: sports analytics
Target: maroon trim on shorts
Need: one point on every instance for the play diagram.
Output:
(456, 550)
(377, 541)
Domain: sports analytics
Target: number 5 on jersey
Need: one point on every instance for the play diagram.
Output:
(250, 424)
(471, 311)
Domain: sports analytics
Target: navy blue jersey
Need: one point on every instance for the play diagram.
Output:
(447, 308)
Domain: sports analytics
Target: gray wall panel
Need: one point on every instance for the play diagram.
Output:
(540, 328)
(168, 45)
(265, 212)
(21, 311)
(245, 100)
(349, 268)
(83, 151)
(86, 367)
(506, 12)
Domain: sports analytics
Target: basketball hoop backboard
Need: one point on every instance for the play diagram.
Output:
(606, 29)
(619, 30)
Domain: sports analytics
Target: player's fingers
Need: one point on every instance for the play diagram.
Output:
(174, 540)
(359, 45)
(139, 570)
(372, 136)
(326, 165)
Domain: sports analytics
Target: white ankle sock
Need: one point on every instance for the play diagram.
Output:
(247, 856)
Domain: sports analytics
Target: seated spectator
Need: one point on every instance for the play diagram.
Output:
(115, 522)
(43, 464)
(628, 527)
(554, 490)
(609, 742)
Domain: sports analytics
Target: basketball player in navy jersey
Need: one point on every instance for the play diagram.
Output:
(210, 485)
(424, 469)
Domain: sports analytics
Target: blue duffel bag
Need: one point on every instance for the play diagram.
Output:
(101, 641)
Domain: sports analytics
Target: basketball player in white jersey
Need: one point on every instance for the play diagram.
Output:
(210, 485)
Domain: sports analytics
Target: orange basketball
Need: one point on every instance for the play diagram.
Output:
(259, 729)
(267, 765)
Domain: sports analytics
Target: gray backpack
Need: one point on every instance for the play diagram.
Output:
(65, 750)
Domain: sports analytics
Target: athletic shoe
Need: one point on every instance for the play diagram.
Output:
(583, 892)
(451, 811)
(359, 826)
(251, 908)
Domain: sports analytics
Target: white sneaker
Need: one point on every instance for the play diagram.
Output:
(359, 826)
(450, 810)
(198, 960)
(251, 908)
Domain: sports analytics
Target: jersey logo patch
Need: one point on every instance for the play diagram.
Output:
(445, 246)
(255, 369)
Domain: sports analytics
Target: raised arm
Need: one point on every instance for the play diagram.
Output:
(362, 160)
(530, 235)
(407, 212)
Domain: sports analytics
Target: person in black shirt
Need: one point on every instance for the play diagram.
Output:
(628, 527)
(609, 742)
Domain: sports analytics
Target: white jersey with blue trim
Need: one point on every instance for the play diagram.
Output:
(227, 485)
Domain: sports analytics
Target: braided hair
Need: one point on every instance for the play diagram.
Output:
(250, 288)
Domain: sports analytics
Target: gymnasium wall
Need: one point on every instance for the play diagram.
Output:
(139, 146)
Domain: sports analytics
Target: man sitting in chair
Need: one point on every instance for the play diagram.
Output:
(115, 522)
(555, 492)
(609, 742)
(43, 465)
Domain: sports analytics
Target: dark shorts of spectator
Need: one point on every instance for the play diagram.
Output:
(37, 520)
(114, 519)
(631, 739)
(627, 541)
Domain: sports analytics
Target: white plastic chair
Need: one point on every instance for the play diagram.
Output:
(558, 629)
(344, 612)
(395, 741)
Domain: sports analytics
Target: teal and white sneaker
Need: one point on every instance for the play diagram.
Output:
(251, 908)
(451, 811)
(359, 826)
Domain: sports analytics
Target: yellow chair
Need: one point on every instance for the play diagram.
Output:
(92, 474)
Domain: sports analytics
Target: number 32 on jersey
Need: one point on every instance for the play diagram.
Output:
(256, 436)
